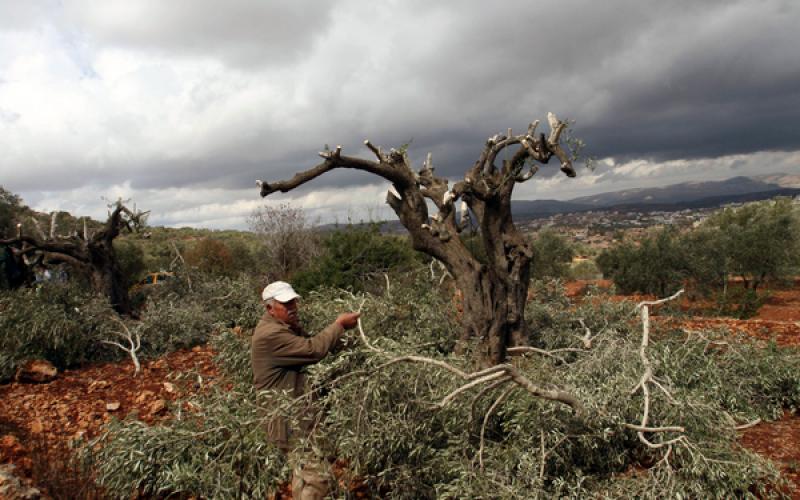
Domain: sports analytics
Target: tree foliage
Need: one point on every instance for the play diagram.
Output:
(10, 207)
(212, 256)
(552, 255)
(354, 257)
(657, 265)
(386, 422)
(62, 323)
(757, 243)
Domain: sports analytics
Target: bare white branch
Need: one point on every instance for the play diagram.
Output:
(53, 224)
(748, 425)
(478, 381)
(474, 379)
(532, 128)
(134, 341)
(526, 349)
(464, 216)
(647, 378)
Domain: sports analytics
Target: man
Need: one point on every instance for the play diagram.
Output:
(281, 349)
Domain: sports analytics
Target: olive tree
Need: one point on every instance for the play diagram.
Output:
(494, 292)
(759, 241)
(90, 254)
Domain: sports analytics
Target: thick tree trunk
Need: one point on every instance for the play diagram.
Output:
(107, 278)
(493, 315)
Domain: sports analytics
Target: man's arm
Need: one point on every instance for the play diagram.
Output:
(283, 348)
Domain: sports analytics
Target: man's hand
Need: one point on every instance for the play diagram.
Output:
(348, 320)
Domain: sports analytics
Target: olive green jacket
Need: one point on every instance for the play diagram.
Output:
(279, 354)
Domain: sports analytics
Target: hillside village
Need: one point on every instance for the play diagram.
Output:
(598, 229)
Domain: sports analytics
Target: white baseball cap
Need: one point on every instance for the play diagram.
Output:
(280, 291)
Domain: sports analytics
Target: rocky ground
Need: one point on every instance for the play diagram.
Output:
(39, 420)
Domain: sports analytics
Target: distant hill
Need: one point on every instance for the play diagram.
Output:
(678, 193)
(704, 194)
(669, 198)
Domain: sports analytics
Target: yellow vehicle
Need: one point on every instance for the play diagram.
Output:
(152, 279)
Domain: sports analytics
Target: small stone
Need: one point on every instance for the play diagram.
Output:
(144, 396)
(97, 384)
(169, 387)
(158, 406)
(113, 406)
(36, 426)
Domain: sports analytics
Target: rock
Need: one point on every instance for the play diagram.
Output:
(144, 396)
(37, 371)
(157, 407)
(37, 427)
(13, 487)
(97, 384)
(169, 387)
(113, 406)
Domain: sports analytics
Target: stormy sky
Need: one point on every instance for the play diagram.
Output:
(181, 105)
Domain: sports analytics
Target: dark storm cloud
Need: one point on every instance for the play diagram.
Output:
(659, 80)
(241, 33)
(209, 95)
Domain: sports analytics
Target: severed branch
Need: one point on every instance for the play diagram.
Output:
(474, 379)
(648, 378)
(334, 159)
(133, 345)
(491, 410)
(53, 224)
(376, 150)
(178, 256)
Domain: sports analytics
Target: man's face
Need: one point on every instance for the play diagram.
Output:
(286, 312)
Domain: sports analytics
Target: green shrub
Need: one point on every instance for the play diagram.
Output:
(355, 258)
(552, 255)
(231, 301)
(658, 265)
(61, 323)
(585, 270)
(171, 323)
(131, 260)
(215, 447)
